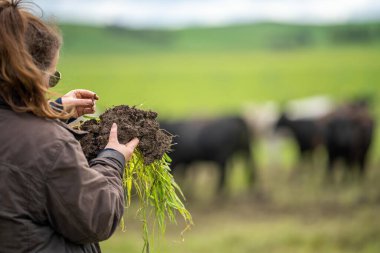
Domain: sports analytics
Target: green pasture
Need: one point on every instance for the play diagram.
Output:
(192, 83)
(179, 84)
(275, 232)
(286, 213)
(207, 72)
(217, 70)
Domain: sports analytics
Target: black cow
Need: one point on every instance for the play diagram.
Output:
(349, 133)
(215, 140)
(308, 133)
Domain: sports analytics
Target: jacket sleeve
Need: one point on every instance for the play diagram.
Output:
(84, 204)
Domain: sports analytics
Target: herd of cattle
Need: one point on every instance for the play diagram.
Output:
(345, 131)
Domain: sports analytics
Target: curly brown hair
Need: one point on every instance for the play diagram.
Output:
(28, 47)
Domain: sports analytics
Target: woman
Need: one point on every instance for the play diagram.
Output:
(51, 198)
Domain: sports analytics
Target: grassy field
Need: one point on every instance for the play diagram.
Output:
(182, 83)
(273, 232)
(215, 75)
(216, 71)
(286, 213)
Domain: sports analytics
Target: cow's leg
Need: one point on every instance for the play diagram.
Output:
(349, 170)
(251, 170)
(332, 157)
(180, 172)
(302, 159)
(307, 159)
(222, 163)
(362, 164)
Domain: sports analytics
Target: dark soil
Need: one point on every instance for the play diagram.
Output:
(131, 122)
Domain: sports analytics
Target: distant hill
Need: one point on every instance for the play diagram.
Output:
(113, 39)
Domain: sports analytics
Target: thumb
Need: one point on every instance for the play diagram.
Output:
(132, 144)
(131, 148)
(113, 134)
(82, 102)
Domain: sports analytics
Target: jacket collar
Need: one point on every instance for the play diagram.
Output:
(77, 133)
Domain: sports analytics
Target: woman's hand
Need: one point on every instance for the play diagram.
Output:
(81, 101)
(125, 149)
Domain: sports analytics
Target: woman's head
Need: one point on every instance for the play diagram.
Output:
(29, 50)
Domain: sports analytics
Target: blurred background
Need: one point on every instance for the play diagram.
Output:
(280, 99)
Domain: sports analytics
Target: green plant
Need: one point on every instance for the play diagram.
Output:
(157, 192)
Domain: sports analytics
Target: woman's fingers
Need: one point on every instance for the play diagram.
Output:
(131, 148)
(90, 110)
(82, 106)
(113, 135)
(68, 101)
(127, 149)
(83, 101)
(81, 93)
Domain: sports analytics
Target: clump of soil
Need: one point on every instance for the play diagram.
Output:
(131, 122)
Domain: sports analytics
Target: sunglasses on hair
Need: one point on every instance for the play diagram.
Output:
(54, 79)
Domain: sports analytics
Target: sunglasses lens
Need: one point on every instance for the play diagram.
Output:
(54, 79)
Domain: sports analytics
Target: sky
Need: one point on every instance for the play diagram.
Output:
(174, 14)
